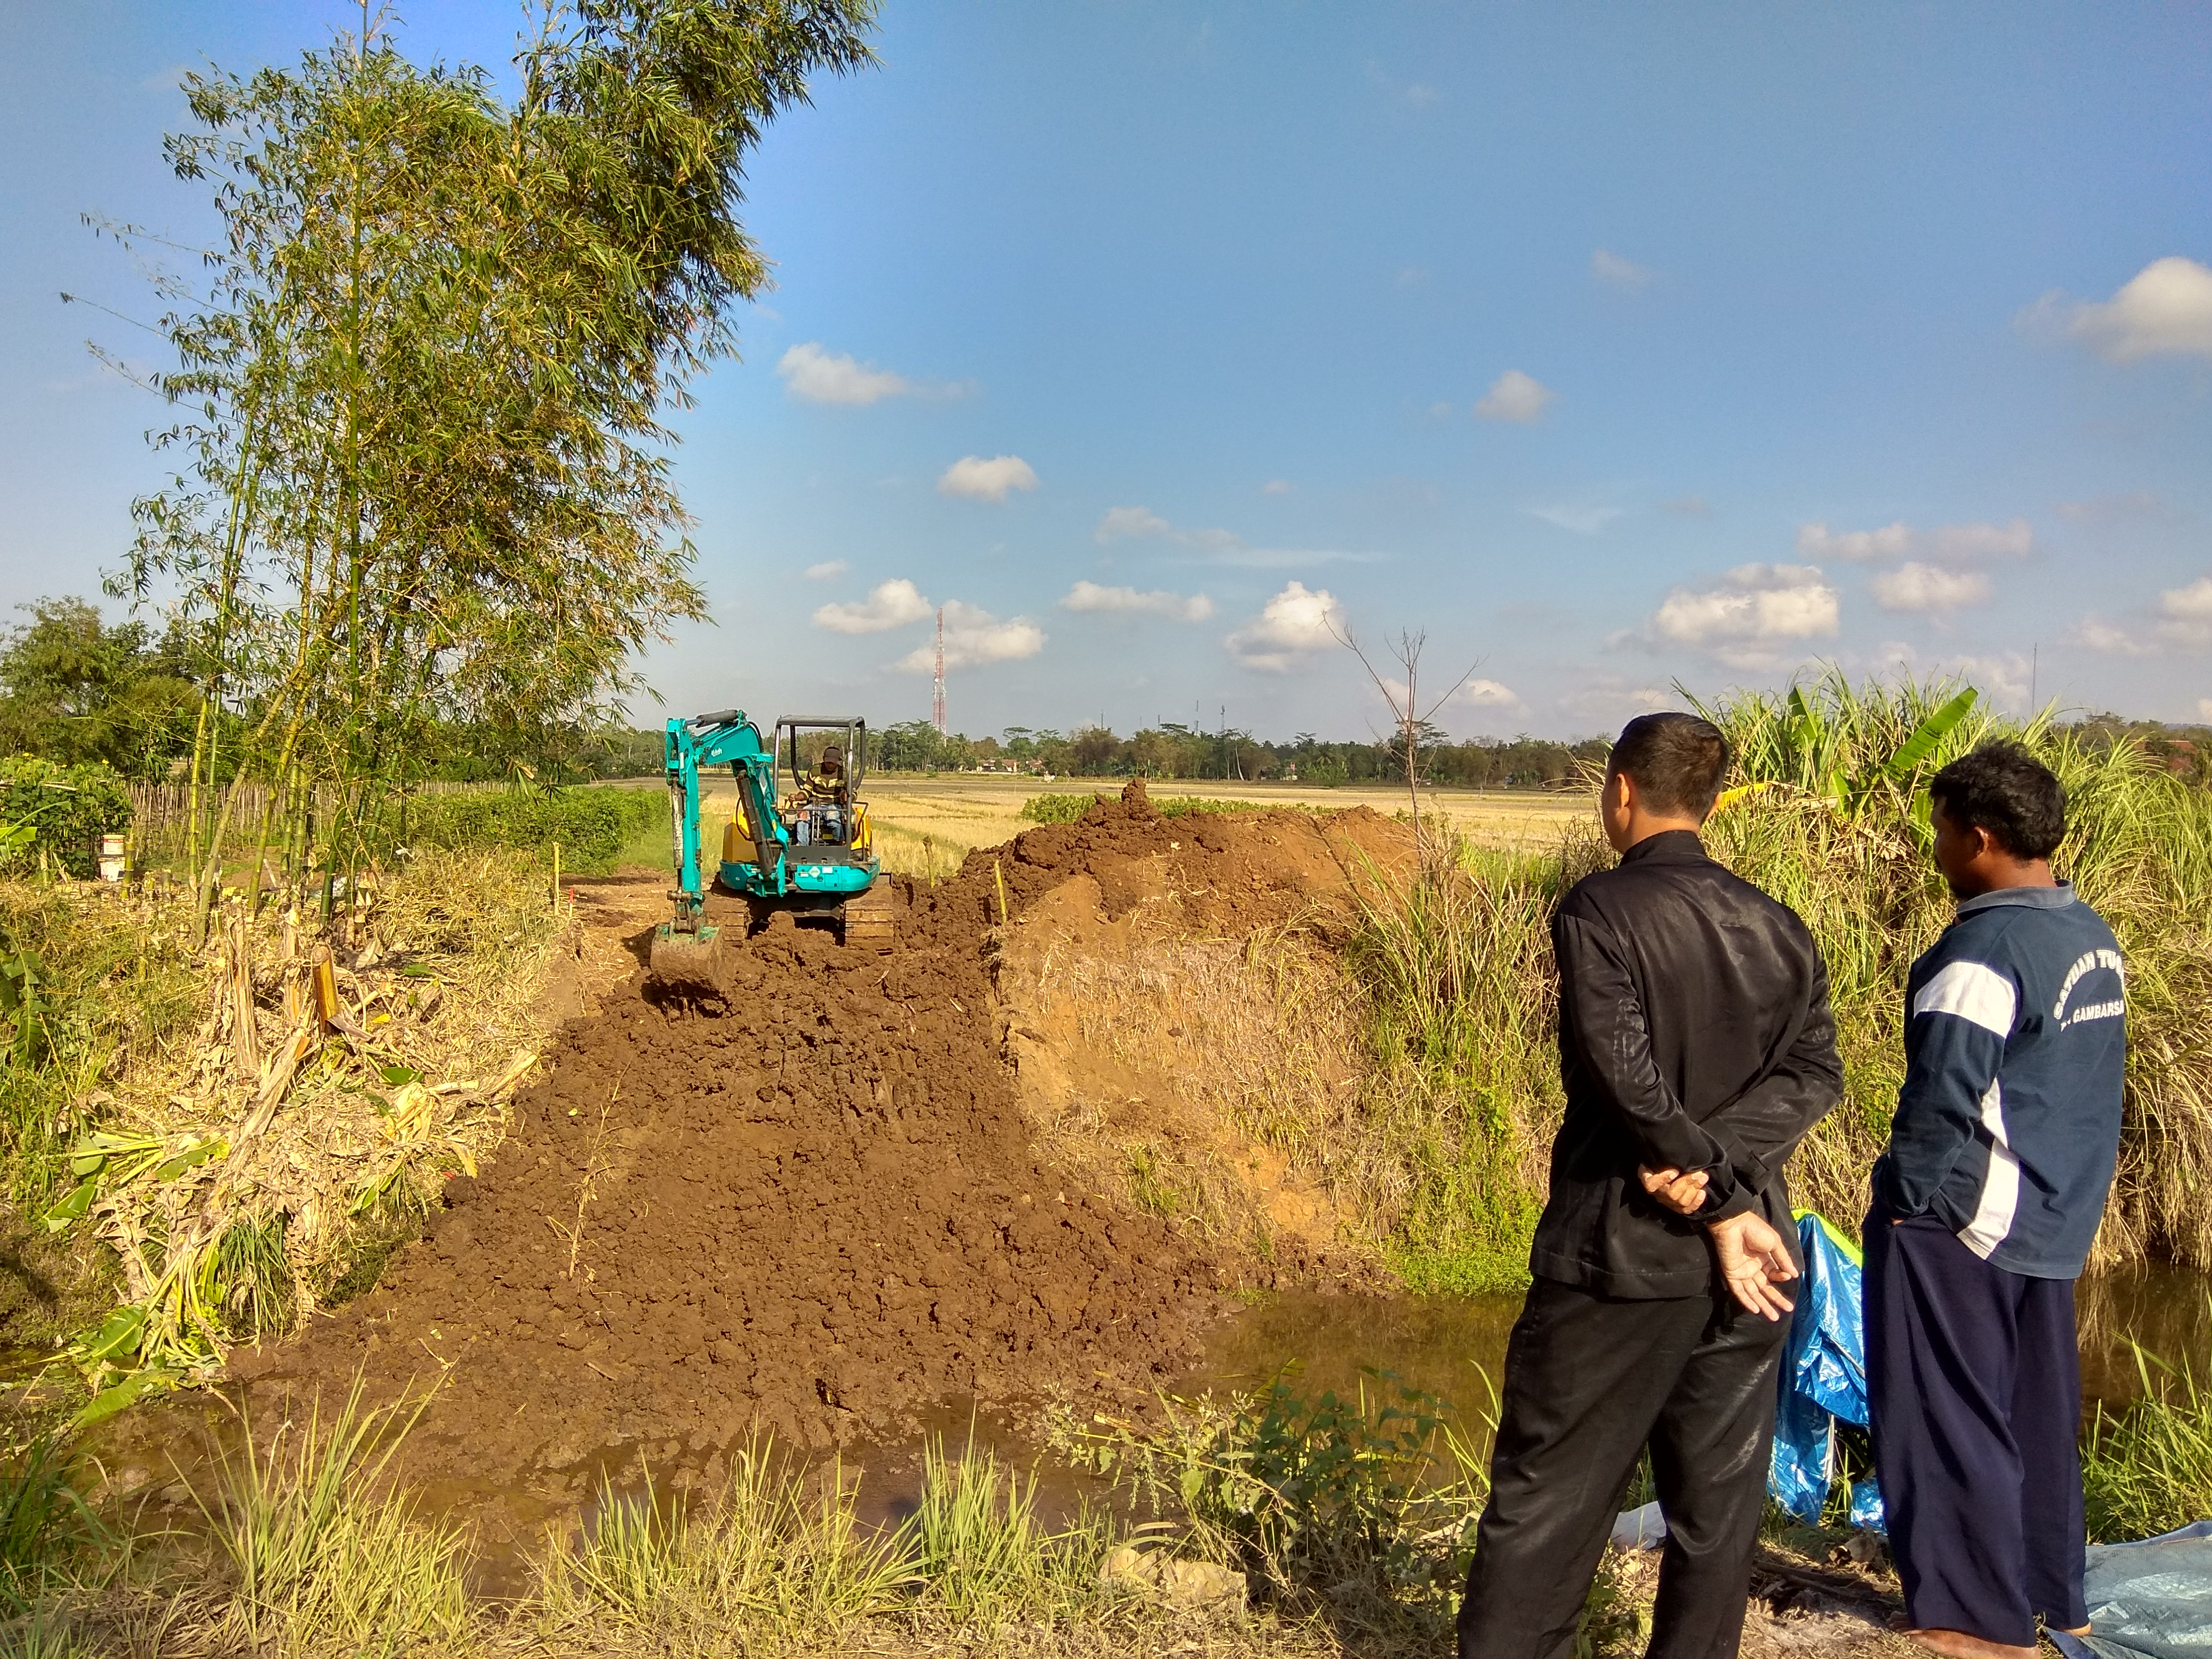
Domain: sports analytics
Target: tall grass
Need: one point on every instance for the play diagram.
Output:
(2147, 1469)
(45, 1528)
(765, 1551)
(1463, 1095)
(1829, 811)
(1842, 835)
(1351, 1518)
(89, 979)
(321, 1551)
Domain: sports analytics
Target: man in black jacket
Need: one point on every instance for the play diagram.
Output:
(1697, 1048)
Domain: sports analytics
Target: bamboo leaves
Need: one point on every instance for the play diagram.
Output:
(426, 473)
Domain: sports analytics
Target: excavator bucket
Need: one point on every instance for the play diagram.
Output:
(687, 964)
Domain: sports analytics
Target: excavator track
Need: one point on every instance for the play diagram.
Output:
(872, 919)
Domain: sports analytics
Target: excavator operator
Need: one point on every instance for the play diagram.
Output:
(826, 783)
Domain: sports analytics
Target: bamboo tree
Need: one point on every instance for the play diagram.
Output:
(428, 375)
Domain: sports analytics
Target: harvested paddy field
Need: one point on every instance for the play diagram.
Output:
(815, 1204)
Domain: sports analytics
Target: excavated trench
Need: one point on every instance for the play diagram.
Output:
(811, 1206)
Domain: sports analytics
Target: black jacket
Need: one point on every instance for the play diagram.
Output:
(1694, 1034)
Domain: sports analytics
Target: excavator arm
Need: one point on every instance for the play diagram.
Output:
(723, 738)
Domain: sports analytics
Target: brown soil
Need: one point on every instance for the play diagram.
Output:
(815, 1207)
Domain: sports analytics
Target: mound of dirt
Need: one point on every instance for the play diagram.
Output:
(814, 1207)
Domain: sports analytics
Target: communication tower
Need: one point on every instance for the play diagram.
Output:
(937, 693)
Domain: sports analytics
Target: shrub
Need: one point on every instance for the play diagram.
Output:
(1066, 809)
(68, 808)
(590, 826)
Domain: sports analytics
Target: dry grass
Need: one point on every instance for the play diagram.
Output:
(1250, 1050)
(232, 1171)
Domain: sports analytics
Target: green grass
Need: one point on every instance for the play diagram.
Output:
(46, 1529)
(2147, 1469)
(1066, 809)
(1460, 990)
(596, 828)
(317, 1547)
(1462, 1093)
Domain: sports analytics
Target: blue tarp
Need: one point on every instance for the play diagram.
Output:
(1823, 1379)
(2152, 1598)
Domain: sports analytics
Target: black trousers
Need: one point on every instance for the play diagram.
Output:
(1590, 1381)
(1975, 1380)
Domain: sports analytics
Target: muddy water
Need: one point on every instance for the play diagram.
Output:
(1455, 1346)
(1452, 1347)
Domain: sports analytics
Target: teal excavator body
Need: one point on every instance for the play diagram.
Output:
(803, 844)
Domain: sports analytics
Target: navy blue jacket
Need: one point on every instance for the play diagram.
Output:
(2015, 1048)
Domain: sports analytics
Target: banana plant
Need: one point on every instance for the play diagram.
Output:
(23, 1004)
(1854, 748)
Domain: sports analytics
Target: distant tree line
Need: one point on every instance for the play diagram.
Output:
(75, 690)
(1174, 751)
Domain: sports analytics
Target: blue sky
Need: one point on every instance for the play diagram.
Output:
(1612, 347)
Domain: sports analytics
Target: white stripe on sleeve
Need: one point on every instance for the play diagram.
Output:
(2000, 1187)
(1972, 992)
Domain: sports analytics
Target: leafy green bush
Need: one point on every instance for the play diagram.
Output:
(68, 808)
(1057, 809)
(590, 826)
(1066, 809)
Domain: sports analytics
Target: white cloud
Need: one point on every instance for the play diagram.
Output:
(1608, 700)
(1621, 273)
(1513, 396)
(2107, 509)
(973, 636)
(1421, 94)
(1962, 543)
(1296, 621)
(815, 376)
(1177, 607)
(990, 480)
(2186, 613)
(1219, 546)
(1926, 587)
(1277, 487)
(1688, 506)
(1816, 541)
(2005, 680)
(826, 569)
(2108, 637)
(1755, 608)
(890, 605)
(1489, 694)
(2204, 707)
(2164, 310)
(1952, 544)
(1582, 520)
(1130, 521)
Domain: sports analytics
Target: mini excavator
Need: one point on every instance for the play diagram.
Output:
(800, 843)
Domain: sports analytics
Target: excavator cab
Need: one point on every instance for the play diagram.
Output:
(821, 762)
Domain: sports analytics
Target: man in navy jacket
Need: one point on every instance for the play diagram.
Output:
(1984, 1207)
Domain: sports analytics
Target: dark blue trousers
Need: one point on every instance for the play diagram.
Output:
(1975, 1382)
